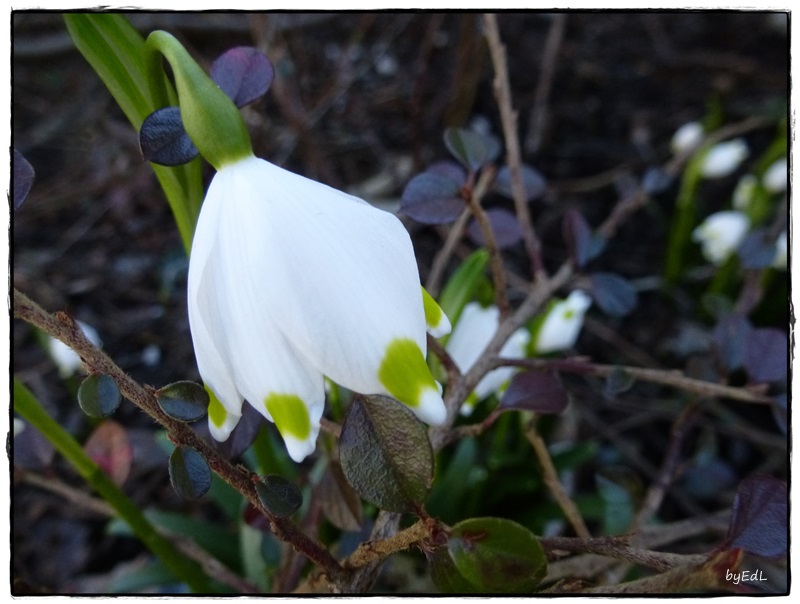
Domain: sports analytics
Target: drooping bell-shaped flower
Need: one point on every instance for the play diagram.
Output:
(291, 281)
(562, 323)
(721, 234)
(475, 328)
(687, 137)
(724, 158)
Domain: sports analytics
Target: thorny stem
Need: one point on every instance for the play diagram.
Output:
(64, 328)
(508, 117)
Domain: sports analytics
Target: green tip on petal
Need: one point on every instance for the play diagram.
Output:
(437, 322)
(220, 422)
(291, 418)
(406, 377)
(210, 117)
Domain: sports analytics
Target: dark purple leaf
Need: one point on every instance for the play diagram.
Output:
(613, 293)
(505, 226)
(757, 250)
(385, 453)
(473, 150)
(766, 356)
(497, 555)
(243, 73)
(731, 339)
(189, 473)
(163, 139)
(279, 495)
(23, 178)
(584, 245)
(533, 182)
(98, 395)
(539, 391)
(340, 503)
(655, 180)
(449, 170)
(431, 199)
(243, 434)
(185, 401)
(760, 517)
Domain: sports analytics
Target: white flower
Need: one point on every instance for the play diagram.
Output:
(744, 192)
(290, 281)
(781, 245)
(67, 360)
(775, 177)
(721, 234)
(687, 137)
(19, 426)
(475, 328)
(723, 158)
(560, 327)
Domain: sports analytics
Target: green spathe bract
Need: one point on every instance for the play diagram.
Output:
(211, 119)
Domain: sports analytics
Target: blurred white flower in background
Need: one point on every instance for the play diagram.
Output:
(67, 360)
(721, 234)
(781, 245)
(475, 328)
(687, 137)
(724, 158)
(561, 326)
(775, 177)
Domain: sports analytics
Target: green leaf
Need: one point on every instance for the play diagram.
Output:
(470, 148)
(99, 395)
(497, 555)
(463, 284)
(385, 453)
(279, 496)
(185, 401)
(445, 575)
(189, 473)
(117, 53)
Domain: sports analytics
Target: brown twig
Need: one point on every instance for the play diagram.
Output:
(64, 328)
(508, 117)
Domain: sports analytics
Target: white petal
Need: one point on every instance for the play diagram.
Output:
(721, 233)
(775, 177)
(723, 158)
(563, 323)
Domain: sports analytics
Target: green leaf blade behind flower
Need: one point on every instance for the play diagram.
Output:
(117, 53)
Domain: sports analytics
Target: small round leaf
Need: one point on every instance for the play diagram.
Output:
(279, 495)
(189, 473)
(98, 395)
(497, 555)
(539, 391)
(185, 401)
(385, 453)
(430, 198)
(760, 516)
(618, 381)
(505, 228)
(243, 73)
(163, 139)
(473, 150)
(23, 178)
(613, 293)
(533, 182)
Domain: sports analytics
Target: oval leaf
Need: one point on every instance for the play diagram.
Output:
(505, 227)
(618, 381)
(584, 245)
(760, 517)
(431, 199)
(539, 391)
(730, 340)
(189, 473)
(613, 293)
(385, 453)
(473, 150)
(497, 555)
(279, 495)
(766, 356)
(185, 401)
(449, 170)
(445, 575)
(163, 139)
(23, 178)
(533, 182)
(243, 73)
(110, 448)
(98, 395)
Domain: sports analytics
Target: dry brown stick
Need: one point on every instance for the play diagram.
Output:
(508, 117)
(443, 256)
(550, 474)
(63, 328)
(538, 116)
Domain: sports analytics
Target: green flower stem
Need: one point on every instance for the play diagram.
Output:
(180, 566)
(211, 119)
(119, 55)
(684, 220)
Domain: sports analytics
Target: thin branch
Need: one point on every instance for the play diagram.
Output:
(502, 90)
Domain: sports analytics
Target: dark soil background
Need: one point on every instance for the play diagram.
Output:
(365, 101)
